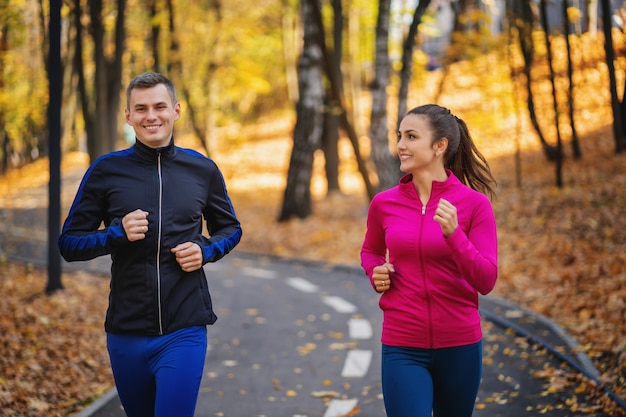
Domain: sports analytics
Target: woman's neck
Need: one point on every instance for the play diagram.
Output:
(423, 182)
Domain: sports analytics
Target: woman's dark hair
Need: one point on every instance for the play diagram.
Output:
(461, 157)
(149, 80)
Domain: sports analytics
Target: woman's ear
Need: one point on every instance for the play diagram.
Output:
(440, 146)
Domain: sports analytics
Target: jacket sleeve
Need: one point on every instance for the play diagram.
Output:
(222, 224)
(373, 250)
(476, 253)
(83, 237)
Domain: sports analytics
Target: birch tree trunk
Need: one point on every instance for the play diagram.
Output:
(386, 165)
(309, 121)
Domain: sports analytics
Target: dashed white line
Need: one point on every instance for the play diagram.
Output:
(357, 363)
(339, 304)
(360, 329)
(302, 284)
(259, 273)
(339, 408)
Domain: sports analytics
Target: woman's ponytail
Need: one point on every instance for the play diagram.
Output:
(469, 165)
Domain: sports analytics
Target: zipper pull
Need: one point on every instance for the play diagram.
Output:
(423, 209)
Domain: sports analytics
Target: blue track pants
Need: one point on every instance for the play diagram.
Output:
(431, 382)
(159, 376)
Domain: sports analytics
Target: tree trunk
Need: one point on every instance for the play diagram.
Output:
(512, 31)
(4, 136)
(330, 146)
(354, 82)
(570, 78)
(309, 118)
(156, 34)
(592, 13)
(407, 58)
(385, 163)
(337, 95)
(289, 27)
(175, 68)
(618, 134)
(623, 107)
(55, 88)
(525, 29)
(101, 119)
(330, 133)
(558, 162)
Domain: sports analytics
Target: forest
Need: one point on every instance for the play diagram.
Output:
(298, 103)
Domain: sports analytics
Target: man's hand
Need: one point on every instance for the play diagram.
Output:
(135, 225)
(188, 256)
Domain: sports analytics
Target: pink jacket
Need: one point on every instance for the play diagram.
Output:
(433, 298)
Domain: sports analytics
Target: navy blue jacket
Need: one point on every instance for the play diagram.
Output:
(150, 293)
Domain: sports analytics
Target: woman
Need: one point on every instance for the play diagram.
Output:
(430, 248)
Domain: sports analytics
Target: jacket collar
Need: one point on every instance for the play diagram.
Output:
(147, 153)
(406, 183)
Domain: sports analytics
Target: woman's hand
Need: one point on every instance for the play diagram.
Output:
(446, 216)
(381, 276)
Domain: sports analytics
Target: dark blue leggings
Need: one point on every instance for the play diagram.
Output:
(431, 382)
(159, 376)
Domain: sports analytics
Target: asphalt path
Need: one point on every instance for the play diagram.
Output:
(297, 339)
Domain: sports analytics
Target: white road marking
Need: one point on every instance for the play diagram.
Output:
(339, 408)
(357, 363)
(360, 329)
(302, 284)
(339, 304)
(259, 273)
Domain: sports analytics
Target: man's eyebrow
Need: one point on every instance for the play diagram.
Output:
(160, 103)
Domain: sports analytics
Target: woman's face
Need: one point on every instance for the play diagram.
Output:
(415, 144)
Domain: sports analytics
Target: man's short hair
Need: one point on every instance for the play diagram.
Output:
(149, 80)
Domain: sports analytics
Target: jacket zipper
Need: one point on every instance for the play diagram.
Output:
(158, 251)
(425, 281)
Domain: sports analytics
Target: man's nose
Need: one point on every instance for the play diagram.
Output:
(151, 114)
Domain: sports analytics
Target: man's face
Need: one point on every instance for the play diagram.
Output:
(152, 114)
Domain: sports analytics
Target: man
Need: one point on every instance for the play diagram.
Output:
(144, 206)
